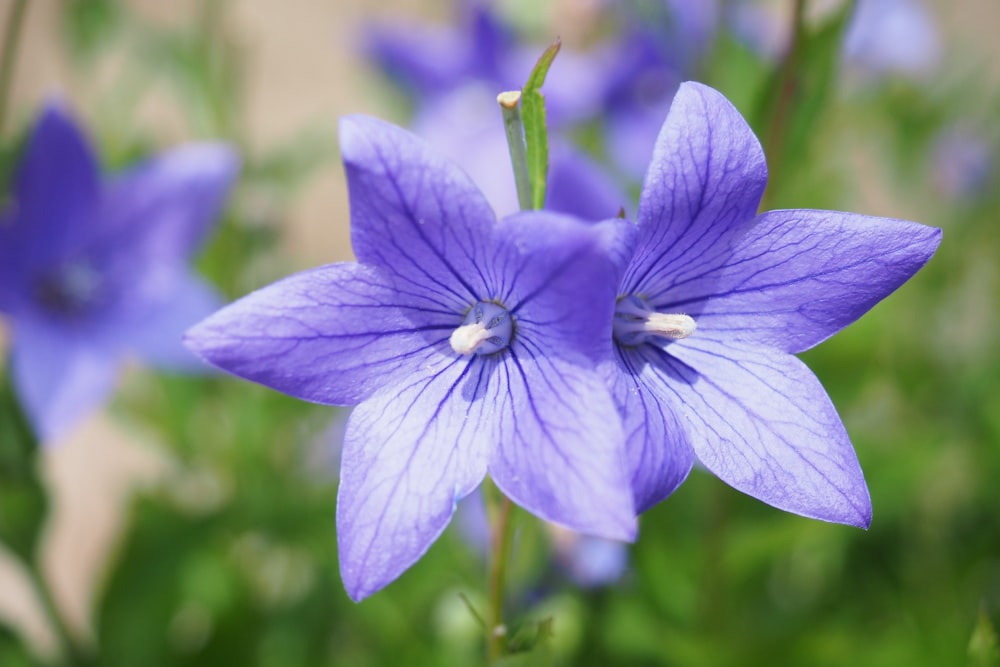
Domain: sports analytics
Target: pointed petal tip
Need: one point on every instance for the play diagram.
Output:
(354, 128)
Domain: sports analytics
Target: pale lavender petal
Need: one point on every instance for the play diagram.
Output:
(893, 37)
(155, 333)
(48, 228)
(559, 280)
(656, 440)
(59, 378)
(800, 276)
(579, 186)
(760, 420)
(156, 215)
(591, 561)
(423, 59)
(411, 452)
(415, 215)
(560, 452)
(329, 335)
(463, 127)
(703, 185)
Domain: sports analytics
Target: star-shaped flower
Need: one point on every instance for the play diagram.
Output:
(715, 302)
(91, 271)
(470, 345)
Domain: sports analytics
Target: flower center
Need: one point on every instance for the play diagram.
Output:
(70, 289)
(487, 328)
(635, 322)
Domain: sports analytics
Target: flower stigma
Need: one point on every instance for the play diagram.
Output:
(487, 328)
(69, 290)
(635, 322)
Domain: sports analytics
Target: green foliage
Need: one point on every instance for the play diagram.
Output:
(535, 127)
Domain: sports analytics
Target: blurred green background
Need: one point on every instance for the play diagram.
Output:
(192, 523)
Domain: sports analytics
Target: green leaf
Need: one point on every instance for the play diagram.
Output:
(535, 131)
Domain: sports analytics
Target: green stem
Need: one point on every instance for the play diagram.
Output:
(499, 550)
(72, 653)
(514, 126)
(11, 38)
(774, 144)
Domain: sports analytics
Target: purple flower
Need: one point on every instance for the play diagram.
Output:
(962, 162)
(887, 37)
(661, 45)
(89, 272)
(883, 37)
(470, 345)
(591, 562)
(715, 302)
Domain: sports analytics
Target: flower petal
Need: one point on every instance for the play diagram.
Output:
(156, 332)
(56, 191)
(798, 277)
(415, 215)
(423, 59)
(329, 335)
(560, 451)
(703, 185)
(559, 279)
(580, 186)
(59, 378)
(156, 215)
(411, 452)
(656, 440)
(760, 420)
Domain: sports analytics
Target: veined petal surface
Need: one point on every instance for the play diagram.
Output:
(761, 421)
(798, 277)
(703, 186)
(559, 451)
(415, 215)
(656, 438)
(411, 452)
(559, 280)
(328, 335)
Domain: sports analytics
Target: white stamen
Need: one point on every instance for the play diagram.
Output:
(469, 337)
(486, 329)
(669, 325)
(635, 322)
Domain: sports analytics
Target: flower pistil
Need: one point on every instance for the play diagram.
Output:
(487, 328)
(635, 322)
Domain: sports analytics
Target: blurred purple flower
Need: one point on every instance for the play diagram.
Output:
(589, 561)
(430, 61)
(465, 125)
(882, 37)
(962, 162)
(892, 37)
(626, 82)
(658, 48)
(89, 272)
(470, 345)
(586, 560)
(715, 302)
